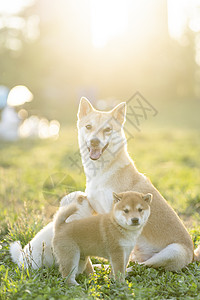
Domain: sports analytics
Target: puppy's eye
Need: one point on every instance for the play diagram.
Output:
(140, 209)
(107, 129)
(88, 127)
(126, 211)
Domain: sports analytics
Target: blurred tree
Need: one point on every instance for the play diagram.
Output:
(49, 49)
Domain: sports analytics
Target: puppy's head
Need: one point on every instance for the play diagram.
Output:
(99, 130)
(131, 210)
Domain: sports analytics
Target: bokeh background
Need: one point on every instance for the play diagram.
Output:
(104, 50)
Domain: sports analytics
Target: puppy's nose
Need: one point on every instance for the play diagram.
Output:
(135, 221)
(95, 142)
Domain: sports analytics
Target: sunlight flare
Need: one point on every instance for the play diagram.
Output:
(108, 19)
(19, 95)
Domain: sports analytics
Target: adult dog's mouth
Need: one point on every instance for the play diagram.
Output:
(96, 152)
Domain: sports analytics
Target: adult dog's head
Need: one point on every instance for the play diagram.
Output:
(100, 131)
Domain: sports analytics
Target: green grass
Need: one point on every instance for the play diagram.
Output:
(170, 158)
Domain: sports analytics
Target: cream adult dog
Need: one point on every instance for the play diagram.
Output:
(164, 242)
(38, 252)
(111, 235)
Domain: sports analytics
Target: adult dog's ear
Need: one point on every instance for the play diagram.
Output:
(148, 198)
(81, 198)
(117, 197)
(119, 112)
(85, 107)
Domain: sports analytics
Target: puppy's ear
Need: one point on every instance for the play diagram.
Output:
(119, 112)
(85, 107)
(117, 197)
(148, 198)
(81, 198)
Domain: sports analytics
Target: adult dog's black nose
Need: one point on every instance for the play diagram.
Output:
(95, 142)
(135, 221)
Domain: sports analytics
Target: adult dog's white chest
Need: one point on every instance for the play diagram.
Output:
(100, 188)
(99, 195)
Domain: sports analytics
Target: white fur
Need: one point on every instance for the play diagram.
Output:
(166, 257)
(38, 252)
(145, 250)
(129, 244)
(197, 253)
(121, 219)
(84, 211)
(66, 200)
(98, 190)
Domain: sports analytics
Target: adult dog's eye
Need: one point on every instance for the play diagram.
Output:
(140, 209)
(107, 129)
(88, 127)
(126, 211)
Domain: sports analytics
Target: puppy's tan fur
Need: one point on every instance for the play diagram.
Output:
(71, 213)
(111, 236)
(164, 241)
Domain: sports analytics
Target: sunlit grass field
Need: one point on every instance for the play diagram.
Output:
(170, 158)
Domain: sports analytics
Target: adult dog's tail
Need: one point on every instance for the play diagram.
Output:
(197, 254)
(16, 252)
(62, 214)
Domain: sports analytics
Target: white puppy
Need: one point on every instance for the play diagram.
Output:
(38, 252)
